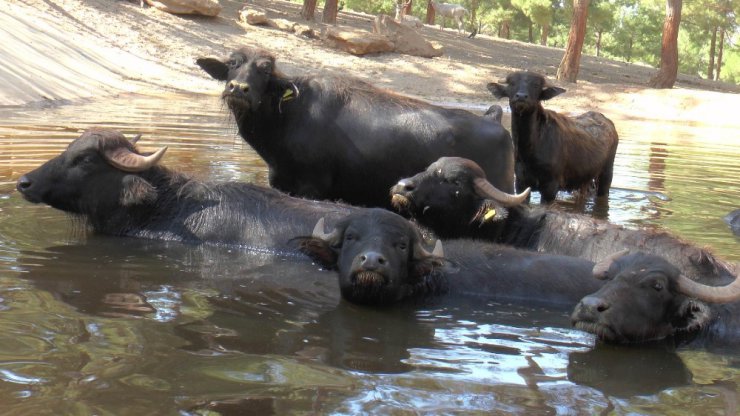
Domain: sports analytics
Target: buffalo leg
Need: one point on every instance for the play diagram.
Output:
(548, 192)
(605, 181)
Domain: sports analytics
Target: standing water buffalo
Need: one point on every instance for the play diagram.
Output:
(118, 190)
(380, 259)
(453, 199)
(340, 138)
(646, 298)
(554, 151)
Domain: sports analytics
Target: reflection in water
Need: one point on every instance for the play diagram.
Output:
(657, 166)
(101, 325)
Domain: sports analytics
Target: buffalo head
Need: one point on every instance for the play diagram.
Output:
(247, 73)
(379, 257)
(451, 194)
(97, 172)
(646, 298)
(524, 90)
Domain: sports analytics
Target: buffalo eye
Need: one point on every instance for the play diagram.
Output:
(349, 237)
(234, 62)
(401, 246)
(82, 159)
(658, 286)
(265, 66)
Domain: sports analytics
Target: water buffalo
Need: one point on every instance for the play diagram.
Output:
(380, 258)
(340, 138)
(646, 298)
(733, 220)
(453, 199)
(119, 190)
(554, 151)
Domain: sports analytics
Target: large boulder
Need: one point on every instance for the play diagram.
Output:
(204, 7)
(406, 40)
(355, 41)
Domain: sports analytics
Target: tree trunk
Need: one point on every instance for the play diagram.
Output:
(598, 43)
(430, 13)
(544, 34)
(407, 7)
(330, 12)
(505, 30)
(668, 70)
(473, 12)
(569, 66)
(309, 8)
(629, 50)
(721, 44)
(712, 49)
(530, 33)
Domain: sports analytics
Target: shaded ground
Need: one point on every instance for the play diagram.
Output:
(72, 49)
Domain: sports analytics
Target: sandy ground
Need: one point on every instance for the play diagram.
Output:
(67, 50)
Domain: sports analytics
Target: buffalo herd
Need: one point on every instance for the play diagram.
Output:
(342, 154)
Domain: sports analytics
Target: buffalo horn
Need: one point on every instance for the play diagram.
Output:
(128, 161)
(438, 251)
(712, 294)
(135, 139)
(485, 188)
(318, 231)
(601, 269)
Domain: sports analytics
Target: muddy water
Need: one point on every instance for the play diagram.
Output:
(100, 325)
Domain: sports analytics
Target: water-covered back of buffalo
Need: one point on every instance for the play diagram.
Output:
(95, 324)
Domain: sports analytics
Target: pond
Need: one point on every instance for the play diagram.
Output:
(101, 325)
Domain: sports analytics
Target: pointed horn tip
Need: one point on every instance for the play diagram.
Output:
(438, 249)
(318, 229)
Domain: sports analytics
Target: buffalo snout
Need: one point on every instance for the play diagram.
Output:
(372, 260)
(236, 87)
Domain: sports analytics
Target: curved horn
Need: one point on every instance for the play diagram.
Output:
(486, 189)
(318, 231)
(438, 251)
(128, 161)
(601, 269)
(712, 294)
(135, 139)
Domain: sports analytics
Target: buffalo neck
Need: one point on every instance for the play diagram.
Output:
(524, 127)
(265, 128)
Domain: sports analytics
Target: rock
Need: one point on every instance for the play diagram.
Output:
(283, 24)
(204, 7)
(407, 40)
(254, 17)
(305, 31)
(356, 42)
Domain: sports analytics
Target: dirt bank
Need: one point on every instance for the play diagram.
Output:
(73, 49)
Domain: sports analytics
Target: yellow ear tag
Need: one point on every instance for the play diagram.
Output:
(489, 214)
(288, 94)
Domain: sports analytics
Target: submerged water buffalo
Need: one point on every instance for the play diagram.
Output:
(733, 220)
(340, 138)
(119, 190)
(554, 151)
(646, 298)
(380, 258)
(453, 198)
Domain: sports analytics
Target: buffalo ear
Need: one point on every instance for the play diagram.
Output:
(318, 250)
(498, 90)
(136, 190)
(550, 92)
(214, 67)
(691, 315)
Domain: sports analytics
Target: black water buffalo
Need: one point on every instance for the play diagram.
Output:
(646, 298)
(118, 190)
(733, 220)
(453, 199)
(340, 138)
(554, 151)
(380, 258)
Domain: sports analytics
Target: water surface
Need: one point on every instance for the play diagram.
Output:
(102, 325)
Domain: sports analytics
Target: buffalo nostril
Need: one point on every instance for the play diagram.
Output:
(372, 260)
(23, 184)
(595, 304)
(602, 307)
(232, 86)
